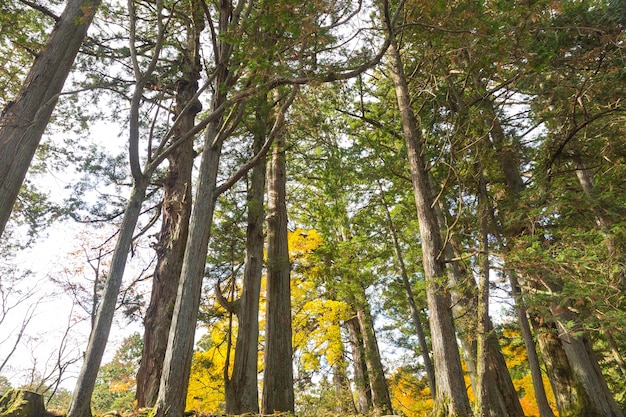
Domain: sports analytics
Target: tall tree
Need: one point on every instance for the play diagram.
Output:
(242, 392)
(176, 210)
(24, 120)
(278, 395)
(452, 399)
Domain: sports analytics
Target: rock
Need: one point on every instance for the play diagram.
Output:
(22, 403)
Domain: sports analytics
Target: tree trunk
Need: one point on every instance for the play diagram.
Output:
(482, 405)
(343, 392)
(452, 399)
(587, 373)
(24, 120)
(502, 396)
(174, 382)
(242, 392)
(578, 384)
(376, 374)
(278, 395)
(170, 248)
(177, 364)
(81, 398)
(417, 322)
(361, 381)
(509, 164)
(531, 349)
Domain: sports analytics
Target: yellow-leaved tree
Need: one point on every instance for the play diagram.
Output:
(206, 382)
(317, 319)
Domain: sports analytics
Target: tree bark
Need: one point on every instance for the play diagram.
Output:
(361, 381)
(376, 374)
(343, 392)
(278, 395)
(531, 349)
(452, 399)
(177, 364)
(242, 392)
(170, 247)
(482, 406)
(24, 120)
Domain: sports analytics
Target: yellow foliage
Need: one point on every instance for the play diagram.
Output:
(528, 400)
(302, 243)
(206, 382)
(409, 395)
(316, 320)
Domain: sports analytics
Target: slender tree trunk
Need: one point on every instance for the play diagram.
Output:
(278, 395)
(509, 164)
(81, 398)
(176, 211)
(531, 349)
(242, 392)
(24, 120)
(361, 381)
(376, 374)
(417, 322)
(605, 223)
(343, 392)
(452, 399)
(482, 407)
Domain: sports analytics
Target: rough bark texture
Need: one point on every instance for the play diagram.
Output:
(176, 211)
(343, 392)
(242, 392)
(177, 364)
(174, 382)
(361, 381)
(24, 120)
(502, 396)
(452, 399)
(376, 374)
(509, 164)
(278, 395)
(170, 249)
(531, 349)
(483, 400)
(81, 398)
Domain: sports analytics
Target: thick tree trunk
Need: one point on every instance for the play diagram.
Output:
(278, 395)
(242, 392)
(452, 399)
(361, 381)
(375, 371)
(81, 398)
(170, 249)
(177, 364)
(24, 120)
(584, 363)
(174, 382)
(176, 211)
